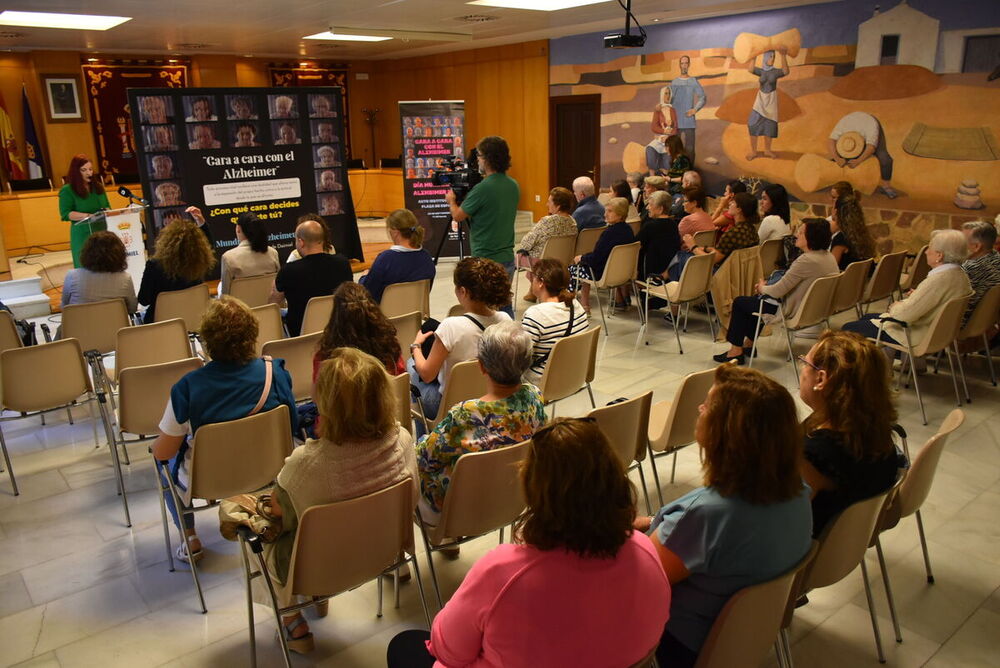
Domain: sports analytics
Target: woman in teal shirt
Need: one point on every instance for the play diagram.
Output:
(82, 195)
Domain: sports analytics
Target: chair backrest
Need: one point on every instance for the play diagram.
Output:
(816, 303)
(239, 456)
(944, 328)
(744, 630)
(843, 543)
(672, 423)
(704, 238)
(851, 286)
(769, 252)
(155, 343)
(40, 377)
(317, 314)
(484, 494)
(189, 305)
(918, 270)
(143, 392)
(626, 425)
(269, 325)
(401, 298)
(560, 248)
(9, 338)
(456, 309)
(622, 265)
(696, 277)
(465, 381)
(401, 391)
(917, 484)
(328, 558)
(252, 290)
(587, 238)
(885, 280)
(95, 325)
(565, 371)
(985, 314)
(635, 224)
(407, 326)
(298, 353)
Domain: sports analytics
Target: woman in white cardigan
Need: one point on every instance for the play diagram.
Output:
(362, 449)
(946, 251)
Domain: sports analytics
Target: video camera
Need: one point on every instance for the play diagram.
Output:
(461, 175)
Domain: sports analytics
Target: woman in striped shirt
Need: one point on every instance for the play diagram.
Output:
(549, 320)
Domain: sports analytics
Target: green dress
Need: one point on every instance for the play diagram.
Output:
(92, 203)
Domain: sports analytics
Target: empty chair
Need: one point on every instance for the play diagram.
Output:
(916, 272)
(770, 252)
(851, 286)
(983, 317)
(693, 286)
(298, 352)
(189, 305)
(705, 238)
(625, 424)
(317, 314)
(620, 271)
(402, 298)
(155, 343)
(671, 423)
(884, 281)
(270, 326)
(253, 290)
(570, 368)
(407, 326)
(587, 238)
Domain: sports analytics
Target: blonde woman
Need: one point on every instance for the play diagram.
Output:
(591, 265)
(405, 261)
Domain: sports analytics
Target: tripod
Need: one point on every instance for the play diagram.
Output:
(444, 237)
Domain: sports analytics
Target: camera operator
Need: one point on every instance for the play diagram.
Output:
(491, 205)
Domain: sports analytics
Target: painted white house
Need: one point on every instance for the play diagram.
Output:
(899, 36)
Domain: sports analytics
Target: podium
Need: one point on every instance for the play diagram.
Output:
(126, 224)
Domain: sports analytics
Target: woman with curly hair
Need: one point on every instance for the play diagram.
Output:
(851, 241)
(849, 452)
(252, 255)
(182, 258)
(482, 288)
(574, 539)
(748, 523)
(234, 385)
(357, 322)
(102, 274)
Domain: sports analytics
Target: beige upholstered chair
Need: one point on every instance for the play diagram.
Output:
(565, 372)
(705, 238)
(401, 391)
(620, 271)
(401, 298)
(587, 238)
(884, 281)
(269, 324)
(298, 352)
(851, 286)
(328, 535)
(317, 314)
(95, 324)
(626, 424)
(983, 317)
(693, 286)
(484, 495)
(252, 290)
(143, 392)
(558, 248)
(9, 338)
(465, 381)
(155, 343)
(770, 252)
(407, 326)
(189, 305)
(671, 423)
(916, 272)
(455, 310)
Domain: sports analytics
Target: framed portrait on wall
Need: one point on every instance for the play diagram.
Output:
(62, 98)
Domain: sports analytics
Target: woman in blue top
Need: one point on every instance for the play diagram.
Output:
(227, 388)
(591, 265)
(82, 196)
(749, 523)
(405, 261)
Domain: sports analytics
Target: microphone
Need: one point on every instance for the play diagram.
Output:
(125, 192)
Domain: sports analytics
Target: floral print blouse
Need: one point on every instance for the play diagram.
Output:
(475, 426)
(556, 225)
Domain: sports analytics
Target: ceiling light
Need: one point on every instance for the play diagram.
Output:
(540, 5)
(346, 38)
(69, 21)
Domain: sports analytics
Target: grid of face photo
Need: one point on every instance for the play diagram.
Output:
(160, 141)
(417, 127)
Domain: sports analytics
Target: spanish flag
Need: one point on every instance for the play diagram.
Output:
(32, 149)
(11, 156)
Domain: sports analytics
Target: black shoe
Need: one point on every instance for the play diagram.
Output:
(723, 358)
(747, 351)
(668, 318)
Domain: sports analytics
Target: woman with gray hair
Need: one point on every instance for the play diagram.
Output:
(510, 412)
(945, 253)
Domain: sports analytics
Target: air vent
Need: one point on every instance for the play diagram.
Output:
(476, 18)
(191, 45)
(11, 35)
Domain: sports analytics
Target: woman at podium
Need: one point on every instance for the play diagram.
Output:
(82, 196)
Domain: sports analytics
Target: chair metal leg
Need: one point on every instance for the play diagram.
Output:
(961, 372)
(420, 588)
(163, 514)
(430, 560)
(378, 610)
(643, 329)
(42, 417)
(753, 346)
(250, 621)
(500, 542)
(711, 318)
(656, 475)
(597, 293)
(989, 359)
(277, 609)
(677, 332)
(673, 468)
(513, 302)
(871, 611)
(645, 492)
(779, 652)
(187, 543)
(6, 459)
(593, 404)
(687, 313)
(69, 413)
(635, 295)
(888, 590)
(395, 586)
(916, 386)
(787, 645)
(954, 377)
(923, 546)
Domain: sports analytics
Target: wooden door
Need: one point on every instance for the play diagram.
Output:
(574, 139)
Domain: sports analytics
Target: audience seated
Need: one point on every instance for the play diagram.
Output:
(849, 453)
(680, 163)
(481, 287)
(556, 315)
(691, 179)
(558, 223)
(741, 234)
(749, 523)
(328, 246)
(357, 322)
(509, 412)
(635, 183)
(659, 237)
(841, 188)
(316, 274)
(946, 251)
(361, 449)
(983, 265)
(182, 259)
(852, 242)
(578, 587)
(721, 216)
(776, 213)
(252, 256)
(588, 212)
(229, 387)
(695, 219)
(405, 261)
(591, 265)
(101, 274)
(813, 239)
(620, 188)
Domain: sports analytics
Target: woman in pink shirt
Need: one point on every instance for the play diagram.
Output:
(578, 588)
(696, 218)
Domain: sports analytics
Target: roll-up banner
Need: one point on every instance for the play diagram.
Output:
(433, 132)
(275, 152)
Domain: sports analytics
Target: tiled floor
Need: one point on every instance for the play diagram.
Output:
(77, 588)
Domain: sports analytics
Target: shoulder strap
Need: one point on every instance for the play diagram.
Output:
(569, 325)
(478, 324)
(268, 374)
